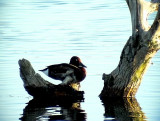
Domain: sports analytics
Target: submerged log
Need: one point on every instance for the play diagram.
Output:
(38, 87)
(135, 58)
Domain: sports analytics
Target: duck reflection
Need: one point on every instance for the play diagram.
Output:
(122, 109)
(59, 109)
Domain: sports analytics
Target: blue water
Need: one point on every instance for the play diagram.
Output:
(51, 31)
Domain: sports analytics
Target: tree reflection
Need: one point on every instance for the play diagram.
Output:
(123, 109)
(58, 109)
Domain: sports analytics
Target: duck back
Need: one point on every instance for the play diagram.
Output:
(60, 71)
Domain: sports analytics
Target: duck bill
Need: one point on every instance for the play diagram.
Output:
(82, 65)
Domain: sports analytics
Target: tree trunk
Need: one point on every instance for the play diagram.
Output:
(36, 86)
(137, 53)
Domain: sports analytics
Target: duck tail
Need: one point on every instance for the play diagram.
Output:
(45, 71)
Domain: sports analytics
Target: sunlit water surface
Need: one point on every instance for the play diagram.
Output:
(51, 31)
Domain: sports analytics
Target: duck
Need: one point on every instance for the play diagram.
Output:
(74, 72)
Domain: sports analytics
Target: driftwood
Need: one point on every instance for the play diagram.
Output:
(135, 58)
(36, 86)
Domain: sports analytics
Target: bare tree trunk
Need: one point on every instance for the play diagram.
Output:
(137, 53)
(36, 86)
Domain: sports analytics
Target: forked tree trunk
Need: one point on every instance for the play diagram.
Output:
(137, 53)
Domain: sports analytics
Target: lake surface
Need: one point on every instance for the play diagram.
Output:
(52, 31)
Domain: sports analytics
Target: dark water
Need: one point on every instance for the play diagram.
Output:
(51, 31)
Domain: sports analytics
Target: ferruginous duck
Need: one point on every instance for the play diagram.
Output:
(68, 73)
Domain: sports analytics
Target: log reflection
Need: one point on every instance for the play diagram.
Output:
(123, 109)
(58, 109)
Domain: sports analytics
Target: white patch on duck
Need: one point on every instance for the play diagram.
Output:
(45, 71)
(67, 80)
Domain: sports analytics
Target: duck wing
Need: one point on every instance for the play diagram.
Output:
(61, 71)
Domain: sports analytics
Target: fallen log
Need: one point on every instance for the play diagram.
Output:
(38, 87)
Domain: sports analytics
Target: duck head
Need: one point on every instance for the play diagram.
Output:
(77, 62)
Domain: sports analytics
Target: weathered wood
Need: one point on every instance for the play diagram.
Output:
(137, 53)
(36, 86)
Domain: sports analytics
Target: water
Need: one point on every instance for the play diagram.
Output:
(51, 31)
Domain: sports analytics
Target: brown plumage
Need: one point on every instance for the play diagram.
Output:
(67, 73)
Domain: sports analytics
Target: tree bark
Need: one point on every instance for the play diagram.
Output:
(137, 53)
(36, 86)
